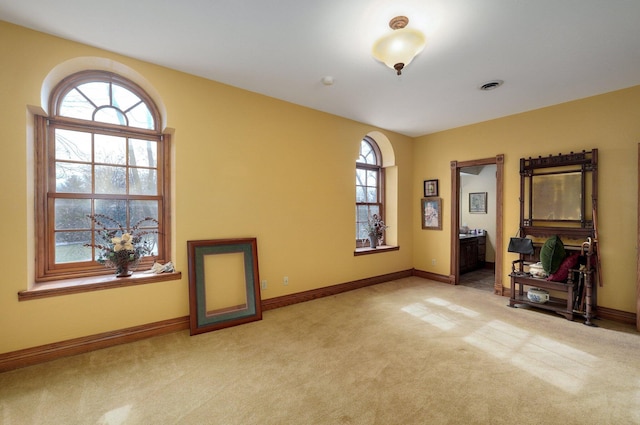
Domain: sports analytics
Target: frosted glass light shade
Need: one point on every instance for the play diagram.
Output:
(398, 48)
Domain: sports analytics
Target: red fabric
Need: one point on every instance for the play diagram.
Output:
(562, 273)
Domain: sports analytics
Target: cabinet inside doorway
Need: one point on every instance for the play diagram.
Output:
(473, 249)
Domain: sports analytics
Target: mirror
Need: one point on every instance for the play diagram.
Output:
(557, 197)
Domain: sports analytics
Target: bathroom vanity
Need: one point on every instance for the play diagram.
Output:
(473, 249)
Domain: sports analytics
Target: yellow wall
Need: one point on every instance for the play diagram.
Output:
(245, 166)
(251, 166)
(608, 122)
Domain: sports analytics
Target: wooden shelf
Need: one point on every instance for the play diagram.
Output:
(557, 305)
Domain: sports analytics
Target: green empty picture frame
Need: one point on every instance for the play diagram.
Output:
(224, 288)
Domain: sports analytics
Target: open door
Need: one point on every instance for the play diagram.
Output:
(455, 218)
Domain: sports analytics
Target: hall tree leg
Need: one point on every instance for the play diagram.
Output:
(589, 288)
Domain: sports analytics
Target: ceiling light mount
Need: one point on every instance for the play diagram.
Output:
(398, 48)
(398, 22)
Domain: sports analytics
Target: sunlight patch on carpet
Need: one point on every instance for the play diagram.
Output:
(554, 362)
(422, 312)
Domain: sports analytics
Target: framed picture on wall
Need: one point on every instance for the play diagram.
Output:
(430, 188)
(431, 213)
(478, 202)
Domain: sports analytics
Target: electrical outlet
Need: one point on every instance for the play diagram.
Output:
(285, 280)
(433, 261)
(263, 284)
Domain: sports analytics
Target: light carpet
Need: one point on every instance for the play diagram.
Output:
(411, 351)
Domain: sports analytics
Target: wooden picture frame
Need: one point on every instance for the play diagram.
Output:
(430, 188)
(478, 202)
(431, 213)
(224, 284)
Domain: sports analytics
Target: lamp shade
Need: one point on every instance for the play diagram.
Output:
(398, 48)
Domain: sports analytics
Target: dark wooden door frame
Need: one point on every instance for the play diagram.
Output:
(498, 161)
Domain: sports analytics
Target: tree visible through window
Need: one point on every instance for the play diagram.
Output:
(369, 188)
(101, 152)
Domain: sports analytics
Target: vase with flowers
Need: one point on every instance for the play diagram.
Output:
(375, 228)
(119, 248)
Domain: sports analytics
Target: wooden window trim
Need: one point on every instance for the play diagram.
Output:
(377, 250)
(93, 283)
(360, 245)
(88, 276)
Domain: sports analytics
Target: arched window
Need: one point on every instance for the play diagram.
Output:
(101, 152)
(369, 188)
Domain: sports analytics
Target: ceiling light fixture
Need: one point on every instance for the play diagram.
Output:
(398, 48)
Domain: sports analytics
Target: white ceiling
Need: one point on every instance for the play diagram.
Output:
(546, 51)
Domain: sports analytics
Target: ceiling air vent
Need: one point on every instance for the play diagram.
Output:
(490, 85)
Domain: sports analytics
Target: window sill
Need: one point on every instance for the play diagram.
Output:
(377, 250)
(97, 283)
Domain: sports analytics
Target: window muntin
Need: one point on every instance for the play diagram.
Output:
(106, 102)
(369, 188)
(101, 154)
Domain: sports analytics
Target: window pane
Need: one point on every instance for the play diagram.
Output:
(141, 209)
(112, 208)
(97, 93)
(75, 105)
(361, 177)
(360, 194)
(70, 247)
(111, 180)
(73, 178)
(123, 98)
(111, 116)
(143, 181)
(362, 212)
(140, 117)
(72, 213)
(372, 178)
(372, 194)
(110, 149)
(367, 154)
(73, 145)
(374, 209)
(143, 153)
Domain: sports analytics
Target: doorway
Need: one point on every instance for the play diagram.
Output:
(456, 167)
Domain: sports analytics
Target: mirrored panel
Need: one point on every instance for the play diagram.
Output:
(557, 197)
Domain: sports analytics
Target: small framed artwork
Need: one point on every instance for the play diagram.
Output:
(431, 213)
(430, 188)
(224, 287)
(478, 202)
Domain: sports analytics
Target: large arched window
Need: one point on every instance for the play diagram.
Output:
(369, 188)
(101, 152)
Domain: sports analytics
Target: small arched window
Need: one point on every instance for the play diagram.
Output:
(100, 153)
(369, 188)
